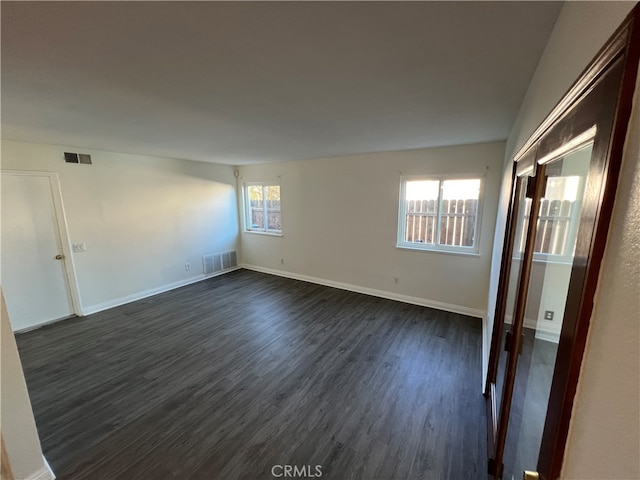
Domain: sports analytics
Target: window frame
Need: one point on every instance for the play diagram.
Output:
(566, 257)
(246, 207)
(437, 247)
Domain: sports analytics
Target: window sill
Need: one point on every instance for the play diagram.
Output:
(268, 234)
(471, 253)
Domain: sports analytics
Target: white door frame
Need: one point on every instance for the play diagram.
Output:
(63, 234)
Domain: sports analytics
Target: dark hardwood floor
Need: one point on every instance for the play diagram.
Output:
(226, 378)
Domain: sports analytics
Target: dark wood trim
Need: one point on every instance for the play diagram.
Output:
(599, 64)
(503, 283)
(595, 106)
(525, 166)
(569, 365)
(517, 324)
(498, 321)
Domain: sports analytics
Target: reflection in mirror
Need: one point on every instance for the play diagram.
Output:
(522, 217)
(556, 234)
(557, 219)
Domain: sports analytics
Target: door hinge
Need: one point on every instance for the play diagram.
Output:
(532, 184)
(508, 342)
(531, 187)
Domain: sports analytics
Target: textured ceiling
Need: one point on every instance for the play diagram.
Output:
(247, 82)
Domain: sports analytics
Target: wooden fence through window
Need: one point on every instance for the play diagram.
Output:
(273, 215)
(553, 228)
(457, 222)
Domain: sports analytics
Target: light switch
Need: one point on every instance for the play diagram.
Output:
(79, 247)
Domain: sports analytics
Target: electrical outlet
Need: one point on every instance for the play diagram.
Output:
(187, 266)
(282, 261)
(548, 315)
(395, 279)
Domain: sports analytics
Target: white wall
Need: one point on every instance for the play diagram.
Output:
(340, 221)
(142, 218)
(548, 287)
(16, 417)
(603, 441)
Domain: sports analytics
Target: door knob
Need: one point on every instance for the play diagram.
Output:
(59, 257)
(528, 475)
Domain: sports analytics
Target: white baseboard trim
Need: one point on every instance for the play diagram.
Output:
(45, 473)
(423, 302)
(548, 336)
(541, 333)
(116, 302)
(43, 324)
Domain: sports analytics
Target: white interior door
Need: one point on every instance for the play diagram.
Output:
(35, 283)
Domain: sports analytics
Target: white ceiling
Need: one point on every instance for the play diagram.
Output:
(239, 83)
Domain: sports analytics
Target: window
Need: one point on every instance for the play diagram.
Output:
(557, 224)
(439, 214)
(262, 208)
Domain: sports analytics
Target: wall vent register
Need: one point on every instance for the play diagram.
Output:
(218, 262)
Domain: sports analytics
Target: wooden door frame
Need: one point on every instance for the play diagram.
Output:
(621, 51)
(63, 234)
(496, 436)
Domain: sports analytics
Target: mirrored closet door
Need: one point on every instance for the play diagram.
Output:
(564, 181)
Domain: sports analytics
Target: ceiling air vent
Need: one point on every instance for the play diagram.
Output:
(77, 158)
(71, 157)
(84, 158)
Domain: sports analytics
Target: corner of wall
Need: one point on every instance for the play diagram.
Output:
(19, 430)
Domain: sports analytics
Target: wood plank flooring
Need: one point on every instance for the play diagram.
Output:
(229, 377)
